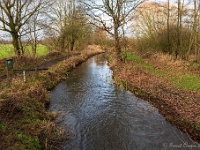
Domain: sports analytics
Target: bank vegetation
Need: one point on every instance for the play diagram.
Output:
(157, 47)
(25, 122)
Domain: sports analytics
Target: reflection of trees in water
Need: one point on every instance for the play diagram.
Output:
(101, 60)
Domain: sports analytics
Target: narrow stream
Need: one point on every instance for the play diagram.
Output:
(103, 117)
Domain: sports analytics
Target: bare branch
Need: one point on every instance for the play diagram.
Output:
(118, 12)
(14, 15)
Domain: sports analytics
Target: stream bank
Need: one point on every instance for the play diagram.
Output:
(24, 120)
(180, 107)
(101, 116)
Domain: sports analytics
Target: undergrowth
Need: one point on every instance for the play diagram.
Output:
(169, 86)
(176, 78)
(24, 121)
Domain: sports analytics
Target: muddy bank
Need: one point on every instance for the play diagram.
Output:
(179, 107)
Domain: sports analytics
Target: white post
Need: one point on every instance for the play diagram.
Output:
(24, 75)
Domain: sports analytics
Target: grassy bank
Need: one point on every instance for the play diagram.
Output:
(170, 86)
(176, 75)
(24, 121)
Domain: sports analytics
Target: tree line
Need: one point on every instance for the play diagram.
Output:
(168, 27)
(59, 24)
(65, 24)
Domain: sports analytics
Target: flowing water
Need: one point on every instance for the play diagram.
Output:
(101, 116)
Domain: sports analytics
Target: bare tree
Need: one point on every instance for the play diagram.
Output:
(32, 29)
(35, 25)
(57, 21)
(111, 15)
(168, 26)
(194, 33)
(69, 24)
(179, 28)
(14, 14)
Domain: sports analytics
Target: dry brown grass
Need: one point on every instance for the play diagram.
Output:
(166, 62)
(59, 71)
(180, 107)
(24, 122)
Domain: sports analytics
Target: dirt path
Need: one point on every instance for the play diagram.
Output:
(42, 67)
(49, 64)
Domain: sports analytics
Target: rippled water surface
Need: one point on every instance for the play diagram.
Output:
(103, 117)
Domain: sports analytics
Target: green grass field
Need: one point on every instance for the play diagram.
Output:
(7, 50)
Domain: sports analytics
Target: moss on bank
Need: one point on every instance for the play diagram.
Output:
(24, 121)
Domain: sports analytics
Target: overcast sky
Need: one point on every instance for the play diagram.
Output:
(171, 1)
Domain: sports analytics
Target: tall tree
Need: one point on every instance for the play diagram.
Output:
(33, 32)
(194, 33)
(35, 25)
(111, 15)
(179, 27)
(168, 27)
(69, 23)
(100, 37)
(14, 14)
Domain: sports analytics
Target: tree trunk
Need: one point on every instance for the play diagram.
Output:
(179, 29)
(61, 42)
(16, 44)
(72, 45)
(194, 33)
(168, 30)
(21, 46)
(34, 47)
(195, 29)
(117, 41)
(34, 38)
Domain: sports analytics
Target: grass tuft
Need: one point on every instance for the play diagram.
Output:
(187, 82)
